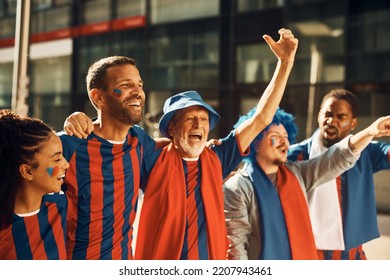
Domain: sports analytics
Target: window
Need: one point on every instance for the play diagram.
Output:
(177, 10)
(184, 56)
(251, 5)
(6, 72)
(97, 11)
(254, 63)
(126, 8)
(50, 88)
(51, 19)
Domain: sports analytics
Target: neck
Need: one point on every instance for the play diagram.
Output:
(27, 200)
(268, 168)
(110, 128)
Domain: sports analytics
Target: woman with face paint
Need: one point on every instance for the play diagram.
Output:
(32, 207)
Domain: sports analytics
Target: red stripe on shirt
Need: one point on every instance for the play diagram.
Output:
(192, 212)
(96, 202)
(7, 245)
(136, 172)
(118, 203)
(35, 240)
(72, 208)
(56, 225)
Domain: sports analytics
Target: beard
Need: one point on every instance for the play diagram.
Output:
(327, 143)
(191, 150)
(279, 161)
(122, 112)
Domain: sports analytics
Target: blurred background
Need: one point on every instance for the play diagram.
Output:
(212, 46)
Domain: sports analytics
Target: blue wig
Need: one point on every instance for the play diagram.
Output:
(280, 117)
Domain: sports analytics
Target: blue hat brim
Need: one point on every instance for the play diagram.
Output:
(166, 118)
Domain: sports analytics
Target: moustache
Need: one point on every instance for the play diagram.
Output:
(330, 127)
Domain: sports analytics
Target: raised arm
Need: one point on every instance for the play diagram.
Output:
(284, 50)
(379, 128)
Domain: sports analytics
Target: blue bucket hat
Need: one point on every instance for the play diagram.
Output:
(181, 101)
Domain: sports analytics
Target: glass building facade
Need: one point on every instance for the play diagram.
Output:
(213, 46)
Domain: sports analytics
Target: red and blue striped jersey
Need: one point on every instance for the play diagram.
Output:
(102, 186)
(37, 237)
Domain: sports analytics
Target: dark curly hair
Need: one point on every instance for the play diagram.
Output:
(20, 139)
(343, 94)
(280, 117)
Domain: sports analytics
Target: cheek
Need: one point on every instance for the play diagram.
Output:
(53, 171)
(116, 92)
(272, 142)
(344, 125)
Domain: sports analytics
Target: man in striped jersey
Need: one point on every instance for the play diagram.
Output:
(104, 176)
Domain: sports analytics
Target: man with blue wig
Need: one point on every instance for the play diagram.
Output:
(266, 209)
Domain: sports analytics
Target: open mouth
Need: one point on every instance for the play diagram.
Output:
(195, 137)
(283, 149)
(60, 177)
(331, 132)
(134, 104)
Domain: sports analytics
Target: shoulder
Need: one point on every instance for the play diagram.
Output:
(140, 133)
(238, 180)
(69, 144)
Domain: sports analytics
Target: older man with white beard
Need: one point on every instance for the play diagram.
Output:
(182, 215)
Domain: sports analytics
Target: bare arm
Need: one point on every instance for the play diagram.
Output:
(379, 128)
(284, 50)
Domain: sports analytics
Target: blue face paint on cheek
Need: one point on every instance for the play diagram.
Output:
(53, 171)
(272, 142)
(50, 171)
(117, 91)
(344, 125)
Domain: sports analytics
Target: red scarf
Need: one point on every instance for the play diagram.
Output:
(162, 221)
(296, 215)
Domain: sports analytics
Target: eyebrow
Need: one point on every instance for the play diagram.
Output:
(278, 133)
(56, 154)
(129, 80)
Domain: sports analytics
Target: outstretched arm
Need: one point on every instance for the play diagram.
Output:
(284, 50)
(379, 128)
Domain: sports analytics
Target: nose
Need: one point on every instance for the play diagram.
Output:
(284, 141)
(196, 122)
(329, 120)
(66, 163)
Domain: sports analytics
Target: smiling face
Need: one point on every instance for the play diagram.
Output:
(272, 148)
(335, 121)
(49, 167)
(124, 97)
(189, 129)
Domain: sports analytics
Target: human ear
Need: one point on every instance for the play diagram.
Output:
(97, 97)
(26, 171)
(171, 131)
(354, 123)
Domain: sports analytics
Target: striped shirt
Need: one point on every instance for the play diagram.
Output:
(102, 186)
(40, 236)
